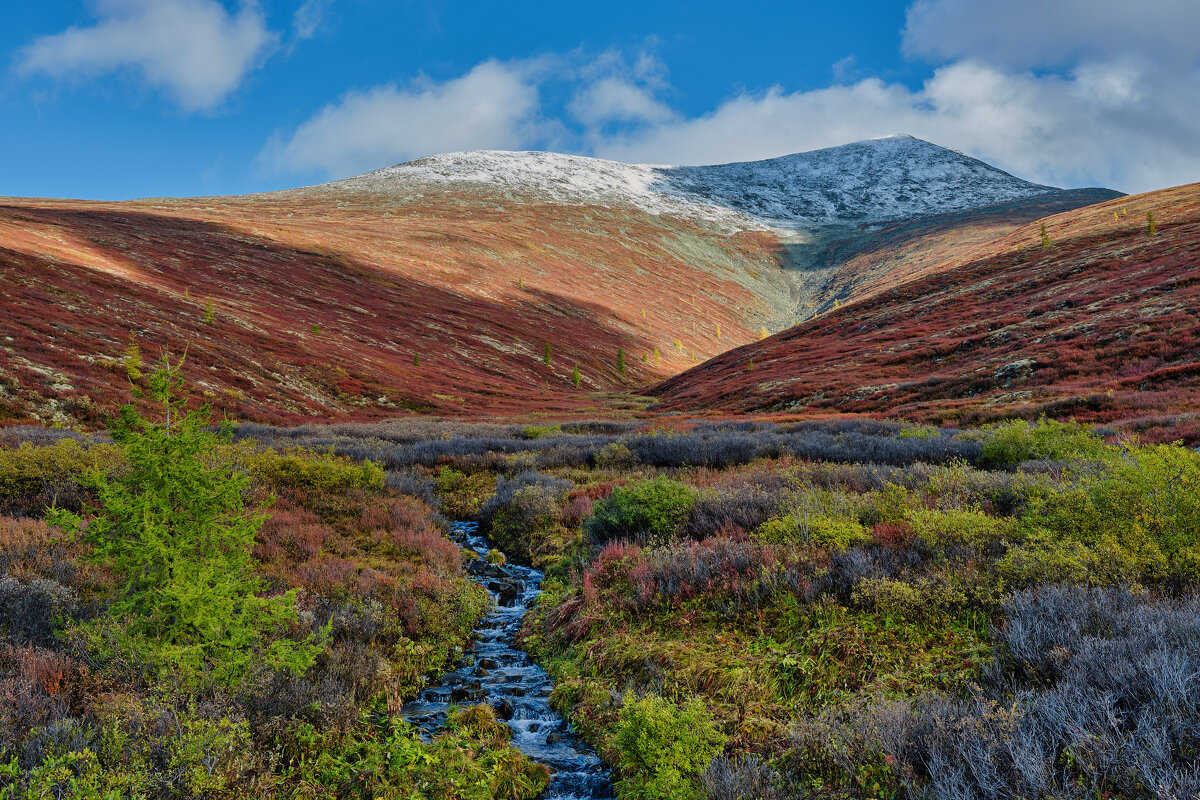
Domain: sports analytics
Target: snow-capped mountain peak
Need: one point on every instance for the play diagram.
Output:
(874, 180)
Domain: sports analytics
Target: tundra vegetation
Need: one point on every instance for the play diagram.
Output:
(844, 608)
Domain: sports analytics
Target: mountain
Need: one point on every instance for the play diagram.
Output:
(1099, 325)
(436, 286)
(877, 180)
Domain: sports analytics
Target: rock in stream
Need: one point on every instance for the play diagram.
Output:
(504, 677)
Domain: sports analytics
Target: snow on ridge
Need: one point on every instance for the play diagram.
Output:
(551, 176)
(874, 180)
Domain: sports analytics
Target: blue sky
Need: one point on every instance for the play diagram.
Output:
(114, 99)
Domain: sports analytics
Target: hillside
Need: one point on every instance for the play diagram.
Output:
(1100, 326)
(435, 286)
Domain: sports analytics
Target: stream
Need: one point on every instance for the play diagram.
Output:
(499, 674)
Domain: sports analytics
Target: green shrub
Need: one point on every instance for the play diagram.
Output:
(911, 601)
(959, 530)
(1138, 518)
(539, 431)
(614, 455)
(664, 748)
(650, 510)
(463, 494)
(1046, 558)
(34, 478)
(1010, 443)
(301, 468)
(174, 529)
(834, 532)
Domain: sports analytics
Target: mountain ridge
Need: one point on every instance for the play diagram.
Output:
(433, 287)
(873, 180)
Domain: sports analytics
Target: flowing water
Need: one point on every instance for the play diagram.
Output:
(499, 674)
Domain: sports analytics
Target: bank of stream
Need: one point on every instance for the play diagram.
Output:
(497, 673)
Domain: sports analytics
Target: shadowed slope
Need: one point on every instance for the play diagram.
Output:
(313, 317)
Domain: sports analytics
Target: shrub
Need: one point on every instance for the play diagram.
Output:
(915, 601)
(302, 468)
(647, 511)
(462, 494)
(524, 516)
(614, 456)
(33, 478)
(1010, 443)
(826, 531)
(730, 508)
(959, 532)
(174, 527)
(33, 612)
(664, 748)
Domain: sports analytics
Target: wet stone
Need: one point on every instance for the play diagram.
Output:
(577, 774)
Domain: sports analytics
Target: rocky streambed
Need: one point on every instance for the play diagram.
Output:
(499, 674)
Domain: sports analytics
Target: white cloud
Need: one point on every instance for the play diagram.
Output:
(1024, 34)
(1098, 126)
(1115, 108)
(308, 18)
(195, 50)
(612, 99)
(494, 106)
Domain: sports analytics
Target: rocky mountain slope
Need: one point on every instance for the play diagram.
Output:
(1100, 325)
(436, 286)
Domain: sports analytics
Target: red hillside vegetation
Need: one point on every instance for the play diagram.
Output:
(1101, 326)
(309, 306)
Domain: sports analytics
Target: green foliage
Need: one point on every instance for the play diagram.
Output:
(529, 525)
(548, 356)
(918, 432)
(1045, 558)
(74, 775)
(175, 530)
(1011, 443)
(539, 431)
(576, 378)
(416, 359)
(385, 759)
(621, 360)
(614, 455)
(903, 600)
(32, 478)
(209, 315)
(1151, 225)
(1045, 237)
(958, 530)
(494, 556)
(664, 748)
(829, 531)
(301, 468)
(650, 510)
(1137, 520)
(463, 494)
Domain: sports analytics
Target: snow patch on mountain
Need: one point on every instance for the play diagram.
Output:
(872, 181)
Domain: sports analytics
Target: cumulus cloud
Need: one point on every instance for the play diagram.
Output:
(1101, 125)
(1110, 106)
(494, 106)
(195, 50)
(612, 99)
(1024, 34)
(1064, 92)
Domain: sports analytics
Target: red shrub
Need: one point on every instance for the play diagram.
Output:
(892, 534)
(576, 510)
